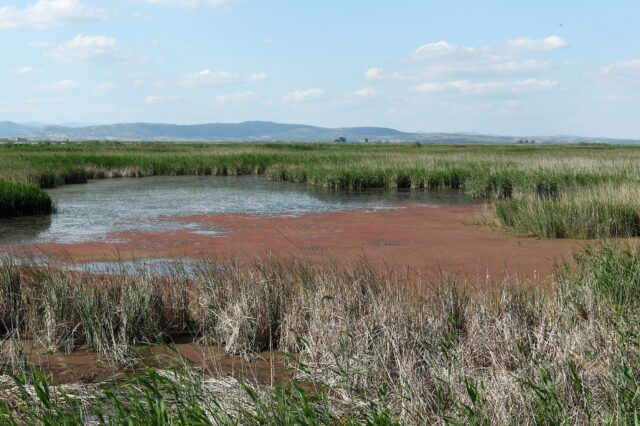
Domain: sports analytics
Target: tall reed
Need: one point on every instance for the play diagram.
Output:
(363, 346)
(602, 211)
(17, 199)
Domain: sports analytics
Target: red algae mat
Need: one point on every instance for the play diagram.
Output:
(415, 242)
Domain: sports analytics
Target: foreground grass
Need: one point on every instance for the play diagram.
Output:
(534, 187)
(367, 350)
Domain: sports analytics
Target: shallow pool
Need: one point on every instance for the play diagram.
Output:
(99, 209)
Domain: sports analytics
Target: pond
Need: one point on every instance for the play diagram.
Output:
(99, 209)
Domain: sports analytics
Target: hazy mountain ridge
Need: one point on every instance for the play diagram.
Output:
(259, 131)
(9, 129)
(251, 130)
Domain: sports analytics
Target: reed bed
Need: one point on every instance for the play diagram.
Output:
(17, 199)
(364, 348)
(600, 211)
(484, 171)
(533, 186)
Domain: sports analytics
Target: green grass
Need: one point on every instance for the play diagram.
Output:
(178, 397)
(17, 199)
(603, 211)
(534, 187)
(485, 171)
(364, 350)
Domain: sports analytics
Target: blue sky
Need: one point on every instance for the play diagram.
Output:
(500, 67)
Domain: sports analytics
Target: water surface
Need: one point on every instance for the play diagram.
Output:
(97, 210)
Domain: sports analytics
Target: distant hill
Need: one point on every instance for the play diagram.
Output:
(257, 131)
(247, 131)
(9, 129)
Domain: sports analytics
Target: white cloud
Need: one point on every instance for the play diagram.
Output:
(621, 67)
(192, 3)
(26, 70)
(365, 93)
(236, 97)
(106, 87)
(61, 86)
(90, 49)
(152, 99)
(304, 95)
(621, 77)
(373, 74)
(443, 58)
(207, 77)
(537, 45)
(257, 76)
(441, 48)
(44, 14)
(469, 87)
(137, 78)
(527, 65)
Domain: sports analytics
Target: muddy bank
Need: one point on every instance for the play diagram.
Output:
(415, 242)
(82, 366)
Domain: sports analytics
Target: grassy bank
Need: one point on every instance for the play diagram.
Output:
(527, 182)
(17, 199)
(367, 350)
(593, 212)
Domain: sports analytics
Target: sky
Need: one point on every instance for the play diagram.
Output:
(494, 66)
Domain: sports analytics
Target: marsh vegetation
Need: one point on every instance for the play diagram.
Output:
(18, 199)
(531, 185)
(363, 348)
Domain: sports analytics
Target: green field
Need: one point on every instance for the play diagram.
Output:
(534, 187)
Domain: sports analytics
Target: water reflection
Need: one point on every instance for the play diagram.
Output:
(388, 198)
(24, 228)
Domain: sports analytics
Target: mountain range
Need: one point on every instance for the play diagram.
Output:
(256, 131)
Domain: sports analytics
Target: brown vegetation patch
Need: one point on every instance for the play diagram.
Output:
(414, 242)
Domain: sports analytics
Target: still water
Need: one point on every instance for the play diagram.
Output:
(99, 209)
